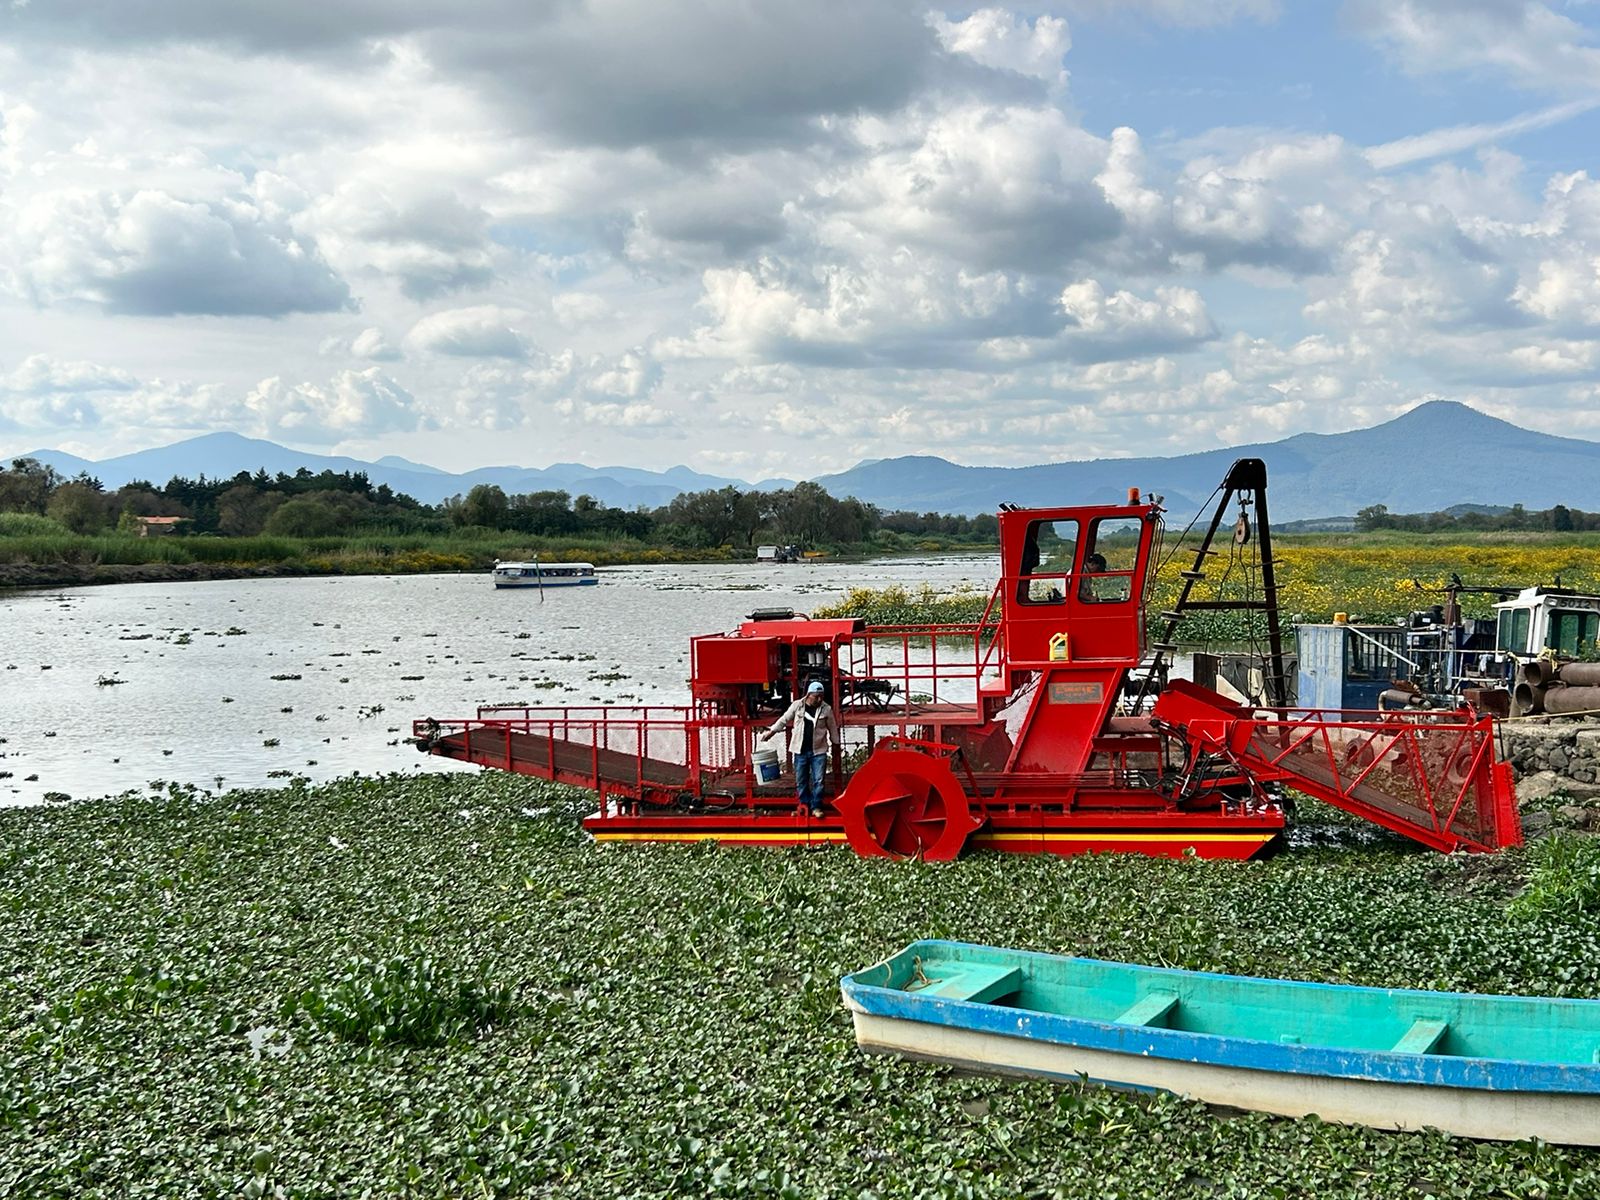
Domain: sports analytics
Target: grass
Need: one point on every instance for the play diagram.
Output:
(654, 1020)
(362, 553)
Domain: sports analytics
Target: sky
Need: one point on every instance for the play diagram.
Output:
(766, 239)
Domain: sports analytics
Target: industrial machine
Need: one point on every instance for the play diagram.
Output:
(1050, 725)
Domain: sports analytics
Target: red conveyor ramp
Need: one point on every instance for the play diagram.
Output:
(1431, 776)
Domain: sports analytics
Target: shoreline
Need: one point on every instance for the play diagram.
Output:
(32, 575)
(25, 576)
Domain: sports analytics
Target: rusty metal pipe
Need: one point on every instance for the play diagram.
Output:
(1579, 674)
(1538, 672)
(1393, 698)
(1527, 700)
(1572, 700)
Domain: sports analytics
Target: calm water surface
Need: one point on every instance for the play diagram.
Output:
(246, 682)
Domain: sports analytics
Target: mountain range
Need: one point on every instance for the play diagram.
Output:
(1437, 455)
(223, 455)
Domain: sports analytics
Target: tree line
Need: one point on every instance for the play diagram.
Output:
(329, 503)
(1556, 519)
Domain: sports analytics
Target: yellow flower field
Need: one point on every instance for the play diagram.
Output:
(1373, 583)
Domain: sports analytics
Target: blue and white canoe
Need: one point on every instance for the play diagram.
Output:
(1496, 1067)
(544, 575)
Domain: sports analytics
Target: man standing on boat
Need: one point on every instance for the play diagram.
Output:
(812, 733)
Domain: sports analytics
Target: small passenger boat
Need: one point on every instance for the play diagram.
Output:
(537, 574)
(1481, 1066)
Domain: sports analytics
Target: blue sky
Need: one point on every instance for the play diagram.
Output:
(775, 240)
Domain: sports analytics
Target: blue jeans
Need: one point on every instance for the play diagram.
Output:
(808, 771)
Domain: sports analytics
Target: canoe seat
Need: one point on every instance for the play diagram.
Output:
(977, 982)
(1154, 1009)
(1422, 1037)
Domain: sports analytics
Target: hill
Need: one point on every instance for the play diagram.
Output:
(222, 455)
(1437, 455)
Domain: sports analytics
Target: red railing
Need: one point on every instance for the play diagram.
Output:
(1429, 775)
(642, 752)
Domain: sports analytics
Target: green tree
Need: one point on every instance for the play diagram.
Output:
(243, 510)
(81, 506)
(485, 505)
(1373, 516)
(27, 486)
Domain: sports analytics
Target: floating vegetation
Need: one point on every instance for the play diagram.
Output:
(288, 677)
(108, 681)
(407, 999)
(234, 631)
(269, 743)
(438, 987)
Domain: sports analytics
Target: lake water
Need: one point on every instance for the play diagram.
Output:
(246, 682)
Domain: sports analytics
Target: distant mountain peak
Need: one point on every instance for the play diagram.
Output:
(405, 464)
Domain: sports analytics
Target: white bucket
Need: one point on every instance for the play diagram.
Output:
(766, 765)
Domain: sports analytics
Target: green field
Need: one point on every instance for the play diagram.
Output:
(1376, 577)
(437, 987)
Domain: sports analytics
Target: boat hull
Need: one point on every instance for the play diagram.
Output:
(548, 583)
(1493, 1116)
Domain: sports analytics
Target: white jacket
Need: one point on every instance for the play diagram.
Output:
(796, 724)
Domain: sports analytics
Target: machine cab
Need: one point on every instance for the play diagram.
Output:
(1542, 618)
(1074, 582)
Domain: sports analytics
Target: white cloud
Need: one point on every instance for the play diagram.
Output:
(997, 38)
(482, 331)
(372, 343)
(154, 254)
(354, 404)
(1122, 321)
(1438, 142)
(1522, 40)
(422, 235)
(576, 309)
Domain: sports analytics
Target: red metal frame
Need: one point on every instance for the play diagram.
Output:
(1009, 733)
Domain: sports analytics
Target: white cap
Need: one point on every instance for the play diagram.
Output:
(816, 686)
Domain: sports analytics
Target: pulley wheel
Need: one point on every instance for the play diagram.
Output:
(904, 804)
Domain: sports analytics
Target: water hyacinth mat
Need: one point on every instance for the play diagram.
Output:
(437, 986)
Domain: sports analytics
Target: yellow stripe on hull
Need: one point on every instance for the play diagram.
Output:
(1107, 835)
(709, 836)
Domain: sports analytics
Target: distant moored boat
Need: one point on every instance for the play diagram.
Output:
(538, 574)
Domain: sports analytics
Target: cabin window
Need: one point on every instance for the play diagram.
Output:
(1513, 635)
(1049, 552)
(1110, 553)
(1572, 632)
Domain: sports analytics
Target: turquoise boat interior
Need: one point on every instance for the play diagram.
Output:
(1242, 1009)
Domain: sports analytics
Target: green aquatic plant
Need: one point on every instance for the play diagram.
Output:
(1564, 879)
(192, 984)
(407, 999)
